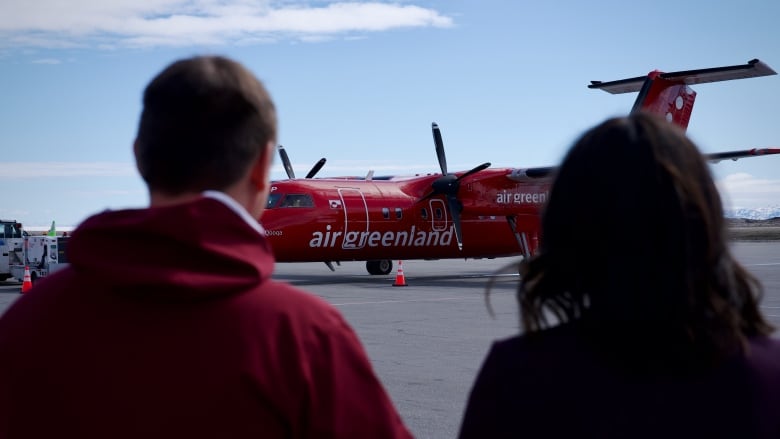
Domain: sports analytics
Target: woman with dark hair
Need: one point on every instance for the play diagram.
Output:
(638, 321)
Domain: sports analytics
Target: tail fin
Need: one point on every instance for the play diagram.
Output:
(669, 94)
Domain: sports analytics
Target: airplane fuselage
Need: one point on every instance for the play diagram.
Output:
(344, 219)
(480, 213)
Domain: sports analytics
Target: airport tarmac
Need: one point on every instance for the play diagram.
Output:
(427, 340)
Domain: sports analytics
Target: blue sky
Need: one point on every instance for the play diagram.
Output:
(360, 83)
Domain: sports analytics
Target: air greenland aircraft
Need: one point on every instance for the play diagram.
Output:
(480, 213)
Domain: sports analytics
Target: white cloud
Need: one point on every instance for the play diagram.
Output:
(103, 193)
(132, 23)
(742, 190)
(47, 61)
(22, 170)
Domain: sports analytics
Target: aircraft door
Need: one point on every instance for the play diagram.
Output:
(355, 218)
(438, 215)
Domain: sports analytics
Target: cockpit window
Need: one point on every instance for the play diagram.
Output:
(273, 199)
(297, 200)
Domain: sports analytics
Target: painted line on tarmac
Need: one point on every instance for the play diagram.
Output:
(763, 265)
(489, 275)
(379, 302)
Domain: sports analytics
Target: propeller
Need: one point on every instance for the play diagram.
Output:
(289, 169)
(449, 184)
(316, 168)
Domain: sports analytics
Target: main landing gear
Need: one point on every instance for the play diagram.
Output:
(379, 267)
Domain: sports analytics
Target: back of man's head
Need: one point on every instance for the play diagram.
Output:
(204, 122)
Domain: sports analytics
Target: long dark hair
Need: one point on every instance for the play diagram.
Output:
(634, 247)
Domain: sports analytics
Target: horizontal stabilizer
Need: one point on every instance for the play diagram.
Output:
(752, 69)
(736, 155)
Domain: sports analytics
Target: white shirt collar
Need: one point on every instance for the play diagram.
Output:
(235, 207)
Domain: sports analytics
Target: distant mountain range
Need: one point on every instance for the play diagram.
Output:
(760, 213)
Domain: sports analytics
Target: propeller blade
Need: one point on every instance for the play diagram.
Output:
(439, 148)
(455, 208)
(475, 170)
(316, 168)
(286, 163)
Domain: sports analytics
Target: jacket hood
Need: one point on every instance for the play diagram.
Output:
(188, 251)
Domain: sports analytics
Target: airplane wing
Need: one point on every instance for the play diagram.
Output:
(736, 155)
(525, 174)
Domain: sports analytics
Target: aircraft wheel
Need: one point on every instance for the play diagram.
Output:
(385, 266)
(380, 267)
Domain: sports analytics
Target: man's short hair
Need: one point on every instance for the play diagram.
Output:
(205, 120)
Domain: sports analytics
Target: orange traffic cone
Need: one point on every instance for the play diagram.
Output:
(27, 281)
(400, 280)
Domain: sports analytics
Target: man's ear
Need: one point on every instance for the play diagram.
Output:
(261, 170)
(135, 156)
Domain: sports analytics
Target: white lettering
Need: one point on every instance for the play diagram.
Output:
(333, 240)
(350, 239)
(390, 238)
(373, 239)
(506, 197)
(316, 240)
(387, 239)
(400, 239)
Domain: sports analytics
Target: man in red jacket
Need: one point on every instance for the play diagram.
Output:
(167, 322)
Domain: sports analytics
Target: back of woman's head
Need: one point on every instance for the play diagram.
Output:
(634, 243)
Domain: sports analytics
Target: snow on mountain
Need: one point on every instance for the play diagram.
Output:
(760, 213)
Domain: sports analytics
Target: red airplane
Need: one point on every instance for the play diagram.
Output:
(480, 213)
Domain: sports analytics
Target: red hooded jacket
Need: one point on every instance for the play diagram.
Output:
(167, 324)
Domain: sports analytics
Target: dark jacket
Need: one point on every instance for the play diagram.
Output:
(555, 384)
(167, 324)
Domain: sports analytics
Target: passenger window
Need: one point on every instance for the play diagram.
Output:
(424, 214)
(439, 213)
(385, 213)
(398, 213)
